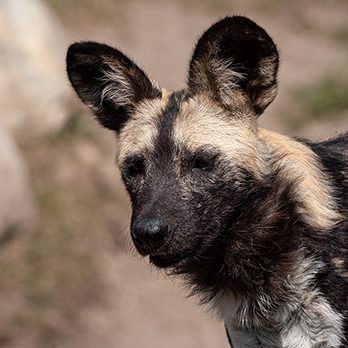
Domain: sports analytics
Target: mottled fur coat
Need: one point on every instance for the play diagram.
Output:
(256, 222)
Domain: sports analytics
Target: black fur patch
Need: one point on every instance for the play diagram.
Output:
(164, 144)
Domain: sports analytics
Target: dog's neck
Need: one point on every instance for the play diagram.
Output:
(303, 319)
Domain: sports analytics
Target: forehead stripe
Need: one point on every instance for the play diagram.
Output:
(164, 142)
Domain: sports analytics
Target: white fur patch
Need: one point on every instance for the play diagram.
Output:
(117, 86)
(227, 79)
(305, 321)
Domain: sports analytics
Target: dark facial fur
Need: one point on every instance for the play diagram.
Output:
(255, 222)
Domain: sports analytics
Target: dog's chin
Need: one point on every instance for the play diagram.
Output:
(170, 260)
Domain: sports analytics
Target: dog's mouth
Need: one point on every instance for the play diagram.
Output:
(165, 261)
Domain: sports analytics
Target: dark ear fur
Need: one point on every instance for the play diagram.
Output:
(108, 82)
(235, 60)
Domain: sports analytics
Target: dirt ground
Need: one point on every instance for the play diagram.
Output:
(113, 298)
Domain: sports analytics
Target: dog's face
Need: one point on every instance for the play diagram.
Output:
(190, 159)
(183, 177)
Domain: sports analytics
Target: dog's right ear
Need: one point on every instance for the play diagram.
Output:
(108, 82)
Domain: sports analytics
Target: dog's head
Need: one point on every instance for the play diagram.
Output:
(189, 159)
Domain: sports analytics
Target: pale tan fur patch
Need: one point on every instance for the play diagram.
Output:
(165, 95)
(201, 123)
(140, 131)
(339, 267)
(300, 164)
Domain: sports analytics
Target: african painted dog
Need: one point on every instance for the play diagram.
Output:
(256, 222)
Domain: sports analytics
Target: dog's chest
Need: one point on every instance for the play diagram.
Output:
(313, 324)
(240, 324)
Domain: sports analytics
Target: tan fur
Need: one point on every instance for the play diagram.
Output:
(165, 95)
(202, 123)
(339, 267)
(265, 97)
(218, 79)
(300, 165)
(226, 82)
(267, 70)
(141, 130)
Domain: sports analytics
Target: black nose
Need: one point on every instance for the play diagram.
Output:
(149, 235)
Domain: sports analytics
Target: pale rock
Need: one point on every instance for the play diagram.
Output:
(34, 91)
(15, 198)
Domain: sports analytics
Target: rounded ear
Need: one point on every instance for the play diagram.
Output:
(108, 82)
(234, 62)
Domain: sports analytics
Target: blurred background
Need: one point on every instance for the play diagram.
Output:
(68, 275)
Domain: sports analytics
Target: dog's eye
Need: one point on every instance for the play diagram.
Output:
(134, 166)
(203, 163)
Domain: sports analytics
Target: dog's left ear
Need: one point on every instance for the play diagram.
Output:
(234, 62)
